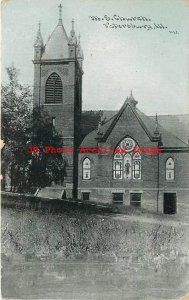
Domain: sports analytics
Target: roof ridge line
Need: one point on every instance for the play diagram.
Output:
(119, 115)
(142, 123)
(110, 119)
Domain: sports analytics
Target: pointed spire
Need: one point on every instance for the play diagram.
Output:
(39, 39)
(79, 38)
(131, 100)
(100, 129)
(79, 52)
(156, 131)
(60, 14)
(79, 49)
(72, 38)
(72, 31)
(156, 119)
(131, 96)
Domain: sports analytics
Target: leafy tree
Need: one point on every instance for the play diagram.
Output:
(22, 127)
(45, 168)
(16, 116)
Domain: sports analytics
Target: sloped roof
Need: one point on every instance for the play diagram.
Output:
(169, 138)
(177, 124)
(90, 139)
(57, 44)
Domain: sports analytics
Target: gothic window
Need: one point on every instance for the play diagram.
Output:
(136, 169)
(127, 165)
(53, 89)
(86, 169)
(117, 169)
(137, 155)
(170, 169)
(137, 166)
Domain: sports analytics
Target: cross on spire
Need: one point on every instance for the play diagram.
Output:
(60, 14)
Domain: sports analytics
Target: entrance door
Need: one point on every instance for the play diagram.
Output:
(170, 203)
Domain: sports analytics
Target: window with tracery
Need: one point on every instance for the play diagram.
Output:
(127, 165)
(170, 169)
(86, 169)
(53, 89)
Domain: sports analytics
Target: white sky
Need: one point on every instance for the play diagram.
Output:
(154, 64)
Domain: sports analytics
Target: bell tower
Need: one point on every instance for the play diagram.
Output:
(58, 89)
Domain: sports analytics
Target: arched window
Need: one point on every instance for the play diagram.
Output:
(170, 169)
(137, 166)
(127, 165)
(86, 169)
(117, 166)
(53, 89)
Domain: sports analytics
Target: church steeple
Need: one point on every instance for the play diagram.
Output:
(57, 44)
(58, 89)
(38, 45)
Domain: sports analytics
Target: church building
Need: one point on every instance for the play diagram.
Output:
(132, 159)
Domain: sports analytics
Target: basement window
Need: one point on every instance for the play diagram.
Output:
(135, 199)
(85, 196)
(118, 198)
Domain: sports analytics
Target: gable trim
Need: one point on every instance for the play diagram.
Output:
(116, 119)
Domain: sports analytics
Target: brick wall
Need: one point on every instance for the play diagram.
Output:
(102, 185)
(67, 113)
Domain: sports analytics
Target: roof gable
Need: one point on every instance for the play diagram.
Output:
(119, 114)
(146, 122)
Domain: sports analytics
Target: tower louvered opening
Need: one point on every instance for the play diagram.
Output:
(53, 89)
